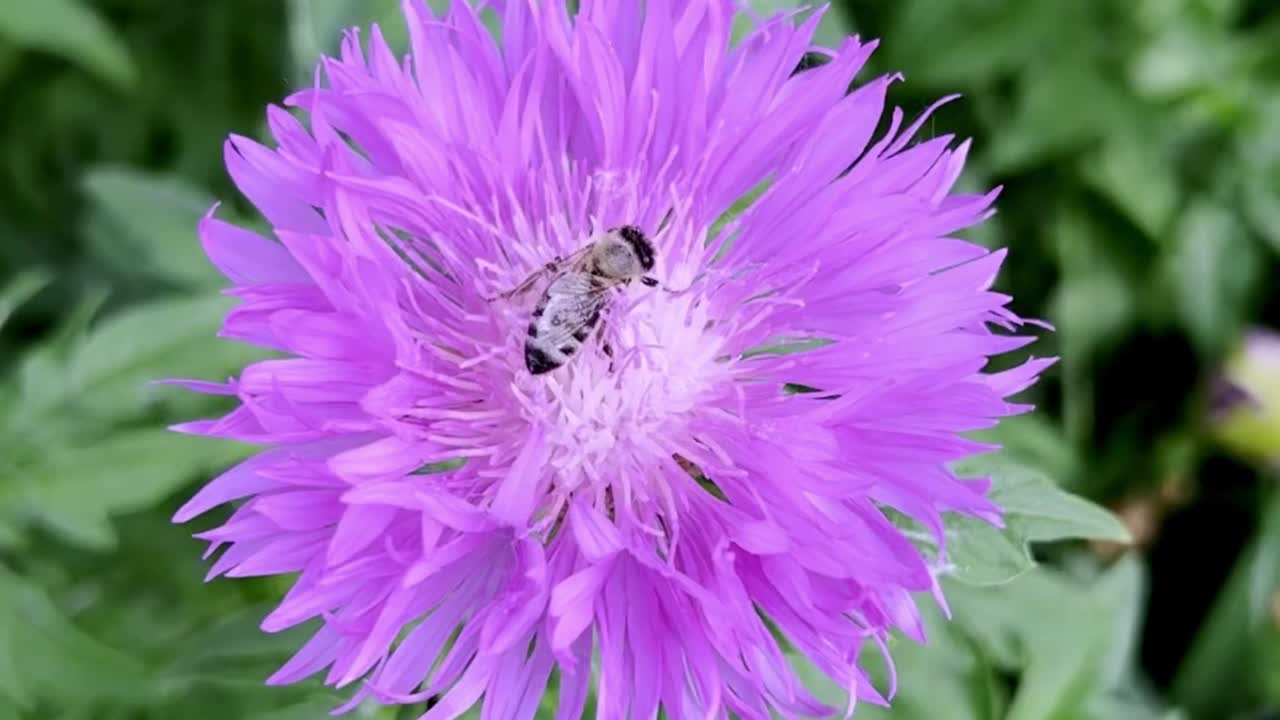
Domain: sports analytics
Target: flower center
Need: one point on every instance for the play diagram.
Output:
(611, 416)
(622, 403)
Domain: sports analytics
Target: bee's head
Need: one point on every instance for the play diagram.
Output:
(640, 245)
(623, 253)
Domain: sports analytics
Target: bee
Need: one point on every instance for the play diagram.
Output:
(570, 307)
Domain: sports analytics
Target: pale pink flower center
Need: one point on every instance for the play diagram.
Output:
(608, 423)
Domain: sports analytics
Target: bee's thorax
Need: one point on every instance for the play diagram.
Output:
(614, 258)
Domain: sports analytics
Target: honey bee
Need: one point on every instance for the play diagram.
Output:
(570, 307)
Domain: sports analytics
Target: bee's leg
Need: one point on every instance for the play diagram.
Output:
(666, 219)
(551, 267)
(519, 289)
(654, 282)
(604, 343)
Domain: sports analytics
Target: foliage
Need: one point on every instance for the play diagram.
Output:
(1139, 147)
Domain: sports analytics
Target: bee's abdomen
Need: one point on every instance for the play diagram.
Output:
(538, 361)
(562, 321)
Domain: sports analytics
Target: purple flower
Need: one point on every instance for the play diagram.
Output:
(629, 519)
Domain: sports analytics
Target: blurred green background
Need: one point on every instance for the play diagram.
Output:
(1139, 145)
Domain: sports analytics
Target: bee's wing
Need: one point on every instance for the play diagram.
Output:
(571, 309)
(550, 269)
(578, 256)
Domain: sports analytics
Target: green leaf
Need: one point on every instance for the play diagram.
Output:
(832, 29)
(22, 288)
(836, 26)
(76, 384)
(1134, 170)
(1035, 510)
(13, 688)
(156, 218)
(73, 30)
(969, 43)
(233, 652)
(1187, 54)
(1037, 441)
(735, 210)
(1131, 704)
(786, 347)
(1042, 126)
(42, 374)
(1066, 650)
(1225, 668)
(1155, 17)
(440, 467)
(1039, 511)
(1054, 633)
(43, 656)
(166, 338)
(74, 491)
(817, 682)
(1121, 591)
(1259, 157)
(1093, 308)
(946, 672)
(312, 709)
(981, 554)
(316, 26)
(1212, 271)
(1095, 304)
